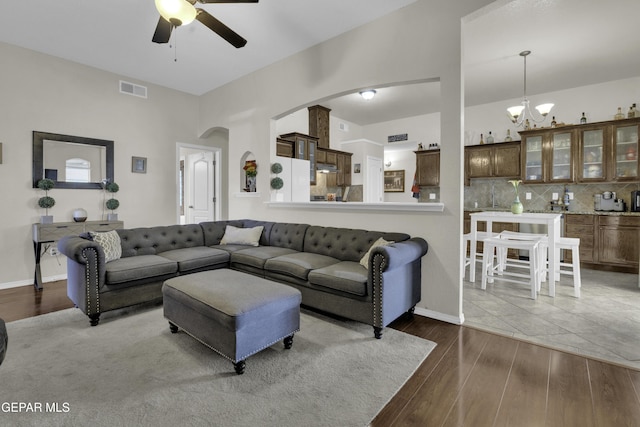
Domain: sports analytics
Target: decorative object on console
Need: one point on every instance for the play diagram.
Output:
(276, 183)
(46, 201)
(250, 171)
(79, 215)
(516, 206)
(112, 204)
(521, 114)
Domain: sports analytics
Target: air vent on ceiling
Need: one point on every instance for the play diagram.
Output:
(133, 89)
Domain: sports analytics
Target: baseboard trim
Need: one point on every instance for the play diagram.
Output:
(440, 316)
(29, 282)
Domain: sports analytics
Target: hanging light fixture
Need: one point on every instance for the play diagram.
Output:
(178, 12)
(519, 114)
(368, 94)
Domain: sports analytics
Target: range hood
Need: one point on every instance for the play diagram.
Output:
(326, 168)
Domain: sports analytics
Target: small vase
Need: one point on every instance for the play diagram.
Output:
(112, 217)
(516, 206)
(46, 219)
(252, 184)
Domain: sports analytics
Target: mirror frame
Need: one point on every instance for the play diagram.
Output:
(38, 158)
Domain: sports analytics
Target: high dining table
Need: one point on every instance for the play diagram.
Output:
(552, 220)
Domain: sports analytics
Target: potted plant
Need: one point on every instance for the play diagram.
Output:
(113, 203)
(47, 201)
(251, 171)
(277, 183)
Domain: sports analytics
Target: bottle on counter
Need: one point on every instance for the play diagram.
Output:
(508, 137)
(619, 115)
(527, 125)
(553, 122)
(583, 119)
(481, 139)
(632, 111)
(490, 138)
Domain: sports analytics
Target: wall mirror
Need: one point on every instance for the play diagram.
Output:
(72, 161)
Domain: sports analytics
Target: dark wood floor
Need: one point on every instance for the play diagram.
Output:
(472, 378)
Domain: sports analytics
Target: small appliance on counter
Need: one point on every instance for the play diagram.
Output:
(635, 201)
(608, 202)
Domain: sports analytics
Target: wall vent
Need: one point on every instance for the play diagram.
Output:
(343, 127)
(133, 89)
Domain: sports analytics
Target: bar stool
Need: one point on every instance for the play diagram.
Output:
(490, 272)
(466, 239)
(568, 243)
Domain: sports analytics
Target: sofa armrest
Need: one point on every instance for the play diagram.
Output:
(85, 273)
(395, 279)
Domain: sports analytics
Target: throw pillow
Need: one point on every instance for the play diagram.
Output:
(241, 236)
(365, 259)
(111, 245)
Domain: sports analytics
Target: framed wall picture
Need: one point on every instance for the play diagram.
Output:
(394, 181)
(139, 164)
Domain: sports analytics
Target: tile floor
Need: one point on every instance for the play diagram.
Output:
(604, 323)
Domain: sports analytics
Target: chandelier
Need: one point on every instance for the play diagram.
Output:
(521, 115)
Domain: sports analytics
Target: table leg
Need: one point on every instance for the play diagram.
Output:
(472, 249)
(37, 277)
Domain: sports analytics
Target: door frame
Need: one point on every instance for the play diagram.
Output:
(217, 193)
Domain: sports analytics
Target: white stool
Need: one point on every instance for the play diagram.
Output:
(466, 239)
(491, 271)
(568, 243)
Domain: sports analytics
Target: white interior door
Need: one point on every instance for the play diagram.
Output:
(374, 181)
(199, 187)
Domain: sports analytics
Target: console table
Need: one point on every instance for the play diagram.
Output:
(49, 233)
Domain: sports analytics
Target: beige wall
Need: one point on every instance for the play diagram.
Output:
(421, 41)
(44, 93)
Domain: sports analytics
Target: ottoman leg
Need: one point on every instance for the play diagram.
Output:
(239, 367)
(288, 342)
(173, 328)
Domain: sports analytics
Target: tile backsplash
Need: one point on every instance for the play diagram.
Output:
(481, 191)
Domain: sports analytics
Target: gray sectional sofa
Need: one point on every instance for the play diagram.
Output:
(322, 262)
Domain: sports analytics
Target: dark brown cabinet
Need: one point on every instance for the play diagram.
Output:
(428, 168)
(304, 147)
(500, 160)
(608, 242)
(319, 124)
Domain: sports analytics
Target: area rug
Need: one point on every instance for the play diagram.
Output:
(131, 370)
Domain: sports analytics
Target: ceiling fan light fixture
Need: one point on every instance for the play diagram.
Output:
(178, 12)
(368, 94)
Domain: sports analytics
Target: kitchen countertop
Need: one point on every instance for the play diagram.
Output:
(611, 213)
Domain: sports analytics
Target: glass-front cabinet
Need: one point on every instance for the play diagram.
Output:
(592, 160)
(532, 159)
(547, 156)
(561, 157)
(625, 152)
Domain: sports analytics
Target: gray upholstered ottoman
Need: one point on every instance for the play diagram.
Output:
(235, 314)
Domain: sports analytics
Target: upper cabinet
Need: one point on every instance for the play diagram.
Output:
(319, 124)
(596, 152)
(548, 155)
(428, 168)
(303, 147)
(501, 160)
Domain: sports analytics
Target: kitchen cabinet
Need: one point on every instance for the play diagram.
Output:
(500, 160)
(548, 155)
(319, 124)
(284, 148)
(596, 152)
(305, 147)
(342, 161)
(428, 168)
(607, 242)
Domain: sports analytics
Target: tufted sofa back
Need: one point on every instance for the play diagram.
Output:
(155, 240)
(289, 236)
(345, 244)
(214, 230)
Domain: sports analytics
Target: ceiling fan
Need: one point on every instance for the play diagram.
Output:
(174, 13)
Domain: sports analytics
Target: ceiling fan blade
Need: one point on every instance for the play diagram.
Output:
(227, 1)
(163, 31)
(219, 28)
